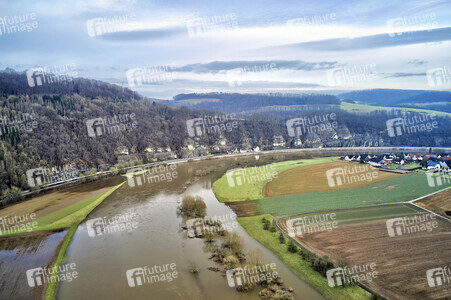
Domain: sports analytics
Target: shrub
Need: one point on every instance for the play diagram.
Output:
(281, 238)
(194, 206)
(234, 242)
(231, 262)
(292, 247)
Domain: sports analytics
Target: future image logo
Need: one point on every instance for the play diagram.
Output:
(438, 77)
(105, 25)
(438, 276)
(409, 125)
(407, 225)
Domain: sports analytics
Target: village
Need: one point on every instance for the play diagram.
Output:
(405, 162)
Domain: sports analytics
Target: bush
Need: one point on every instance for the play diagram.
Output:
(281, 238)
(292, 247)
(194, 206)
(231, 262)
(209, 236)
(235, 243)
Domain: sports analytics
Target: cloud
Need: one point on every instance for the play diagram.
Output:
(216, 66)
(398, 75)
(374, 41)
(417, 62)
(146, 34)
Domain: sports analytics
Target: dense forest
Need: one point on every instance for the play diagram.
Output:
(61, 136)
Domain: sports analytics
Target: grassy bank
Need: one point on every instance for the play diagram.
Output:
(270, 240)
(52, 287)
(69, 215)
(254, 191)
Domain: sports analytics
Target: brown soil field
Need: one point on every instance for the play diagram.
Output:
(401, 261)
(245, 208)
(54, 201)
(439, 203)
(307, 179)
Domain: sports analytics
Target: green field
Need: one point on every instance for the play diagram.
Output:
(364, 214)
(253, 226)
(370, 108)
(188, 102)
(254, 191)
(400, 189)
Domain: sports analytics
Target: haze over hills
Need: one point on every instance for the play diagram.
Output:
(434, 100)
(62, 112)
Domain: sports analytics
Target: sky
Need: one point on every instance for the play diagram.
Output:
(164, 48)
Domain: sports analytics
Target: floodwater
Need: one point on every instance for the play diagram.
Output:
(20, 253)
(102, 260)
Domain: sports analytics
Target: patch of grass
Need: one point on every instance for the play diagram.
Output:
(270, 240)
(370, 108)
(253, 191)
(362, 214)
(196, 101)
(400, 189)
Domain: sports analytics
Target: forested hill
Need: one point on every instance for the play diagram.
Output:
(15, 83)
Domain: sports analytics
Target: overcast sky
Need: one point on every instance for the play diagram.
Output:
(170, 47)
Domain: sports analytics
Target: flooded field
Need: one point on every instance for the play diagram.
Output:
(22, 252)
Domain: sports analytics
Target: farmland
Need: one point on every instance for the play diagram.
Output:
(361, 108)
(361, 238)
(299, 266)
(60, 209)
(312, 178)
(253, 191)
(400, 189)
(439, 203)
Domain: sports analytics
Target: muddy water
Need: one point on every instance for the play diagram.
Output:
(20, 253)
(102, 260)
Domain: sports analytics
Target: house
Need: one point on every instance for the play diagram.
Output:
(412, 156)
(365, 158)
(149, 150)
(389, 156)
(399, 161)
(278, 141)
(430, 157)
(433, 165)
(444, 167)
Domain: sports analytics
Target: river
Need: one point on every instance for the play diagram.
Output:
(102, 260)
